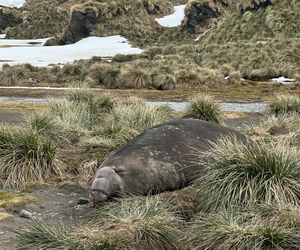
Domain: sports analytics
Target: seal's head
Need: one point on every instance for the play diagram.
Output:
(106, 185)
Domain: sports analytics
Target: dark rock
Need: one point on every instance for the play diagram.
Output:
(160, 159)
(256, 6)
(82, 201)
(199, 14)
(82, 23)
(8, 20)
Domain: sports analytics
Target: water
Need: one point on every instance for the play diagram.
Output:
(253, 107)
(226, 106)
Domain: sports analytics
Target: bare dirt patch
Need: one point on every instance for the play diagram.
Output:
(57, 206)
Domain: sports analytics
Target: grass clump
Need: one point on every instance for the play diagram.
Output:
(44, 236)
(205, 108)
(164, 81)
(130, 224)
(245, 175)
(135, 78)
(274, 126)
(282, 104)
(105, 74)
(45, 125)
(244, 230)
(25, 157)
(140, 116)
(41, 18)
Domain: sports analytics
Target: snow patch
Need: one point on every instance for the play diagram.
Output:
(174, 19)
(283, 80)
(15, 42)
(2, 36)
(12, 3)
(84, 49)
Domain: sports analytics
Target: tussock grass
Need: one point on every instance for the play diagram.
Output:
(80, 95)
(25, 157)
(243, 230)
(130, 224)
(44, 236)
(140, 116)
(182, 202)
(44, 124)
(288, 122)
(153, 225)
(72, 116)
(105, 74)
(282, 104)
(135, 78)
(163, 81)
(204, 107)
(245, 175)
(41, 18)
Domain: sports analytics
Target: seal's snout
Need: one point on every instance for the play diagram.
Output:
(97, 196)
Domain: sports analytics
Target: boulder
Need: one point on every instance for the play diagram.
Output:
(8, 19)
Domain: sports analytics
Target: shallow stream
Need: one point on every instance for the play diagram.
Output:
(252, 107)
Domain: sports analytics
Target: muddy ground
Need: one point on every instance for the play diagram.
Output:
(11, 116)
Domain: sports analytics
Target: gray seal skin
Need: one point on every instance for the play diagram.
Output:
(160, 159)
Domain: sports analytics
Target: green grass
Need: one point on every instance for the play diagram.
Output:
(244, 230)
(140, 116)
(130, 224)
(26, 157)
(135, 78)
(288, 122)
(283, 104)
(44, 124)
(8, 200)
(245, 175)
(40, 19)
(204, 107)
(105, 74)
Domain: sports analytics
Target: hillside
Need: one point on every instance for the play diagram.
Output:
(218, 42)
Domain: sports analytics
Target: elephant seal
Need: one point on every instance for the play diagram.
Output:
(160, 159)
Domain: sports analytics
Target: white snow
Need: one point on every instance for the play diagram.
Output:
(283, 80)
(174, 19)
(2, 36)
(15, 42)
(12, 3)
(84, 49)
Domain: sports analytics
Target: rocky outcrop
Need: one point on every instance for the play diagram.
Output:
(255, 6)
(8, 20)
(199, 14)
(82, 23)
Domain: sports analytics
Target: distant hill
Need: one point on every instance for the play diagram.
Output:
(218, 42)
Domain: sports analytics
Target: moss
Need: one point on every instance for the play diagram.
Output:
(8, 200)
